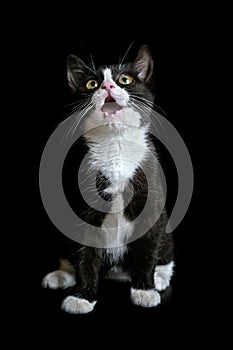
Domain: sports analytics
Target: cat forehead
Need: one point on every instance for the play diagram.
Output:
(107, 73)
(110, 72)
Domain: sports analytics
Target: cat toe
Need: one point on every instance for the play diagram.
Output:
(161, 281)
(162, 276)
(58, 279)
(145, 298)
(74, 305)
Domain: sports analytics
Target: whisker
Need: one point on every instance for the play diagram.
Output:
(82, 116)
(76, 102)
(92, 63)
(121, 62)
(141, 110)
(78, 107)
(144, 107)
(77, 117)
(146, 112)
(138, 96)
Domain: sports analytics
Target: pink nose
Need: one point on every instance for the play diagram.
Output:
(108, 85)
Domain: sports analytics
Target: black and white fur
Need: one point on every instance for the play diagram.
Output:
(119, 149)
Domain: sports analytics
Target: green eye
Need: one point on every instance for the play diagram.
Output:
(125, 79)
(91, 84)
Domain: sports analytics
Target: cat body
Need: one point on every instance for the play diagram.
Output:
(125, 205)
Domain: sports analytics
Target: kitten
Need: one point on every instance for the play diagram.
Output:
(125, 241)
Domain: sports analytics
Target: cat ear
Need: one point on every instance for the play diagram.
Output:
(75, 70)
(143, 64)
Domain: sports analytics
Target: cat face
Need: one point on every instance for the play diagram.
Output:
(117, 96)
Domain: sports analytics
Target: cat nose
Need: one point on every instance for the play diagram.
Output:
(108, 85)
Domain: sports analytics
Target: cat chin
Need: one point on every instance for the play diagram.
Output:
(126, 116)
(123, 119)
(113, 116)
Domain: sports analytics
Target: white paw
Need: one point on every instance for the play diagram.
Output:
(161, 281)
(58, 279)
(74, 305)
(162, 276)
(145, 298)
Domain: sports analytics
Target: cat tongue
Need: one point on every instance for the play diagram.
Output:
(110, 107)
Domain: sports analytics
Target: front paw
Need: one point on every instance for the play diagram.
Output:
(145, 298)
(162, 276)
(161, 281)
(75, 305)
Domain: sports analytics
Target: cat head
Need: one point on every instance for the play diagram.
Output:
(117, 95)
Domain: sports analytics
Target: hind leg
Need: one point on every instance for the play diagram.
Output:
(62, 278)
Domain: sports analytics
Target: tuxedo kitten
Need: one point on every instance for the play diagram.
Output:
(126, 214)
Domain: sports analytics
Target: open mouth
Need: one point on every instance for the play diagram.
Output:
(110, 106)
(109, 99)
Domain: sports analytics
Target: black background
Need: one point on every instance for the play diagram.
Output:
(177, 48)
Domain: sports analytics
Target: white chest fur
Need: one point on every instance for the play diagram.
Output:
(118, 228)
(118, 155)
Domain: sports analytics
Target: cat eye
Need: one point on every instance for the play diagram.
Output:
(125, 79)
(91, 84)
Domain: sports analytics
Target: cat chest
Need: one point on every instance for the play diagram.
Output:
(116, 225)
(118, 230)
(118, 160)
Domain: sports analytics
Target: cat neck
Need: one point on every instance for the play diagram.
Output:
(117, 153)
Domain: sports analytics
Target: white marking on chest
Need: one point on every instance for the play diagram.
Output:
(117, 156)
(118, 229)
